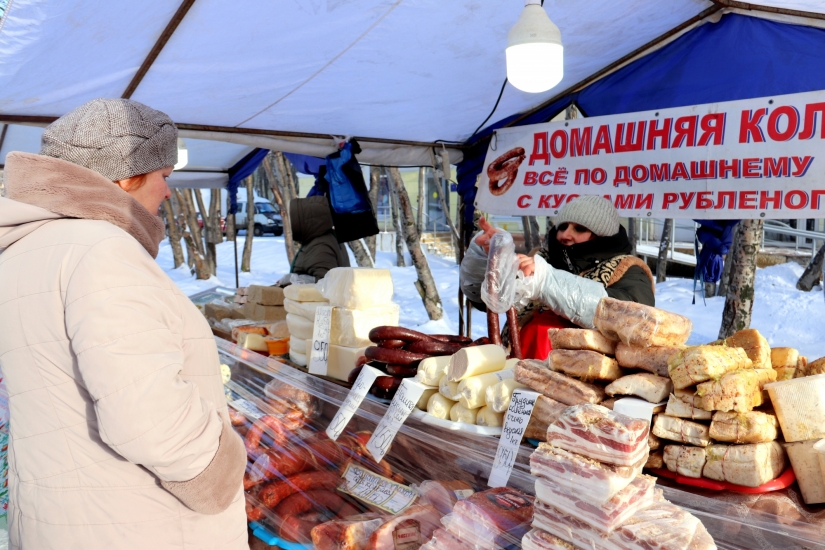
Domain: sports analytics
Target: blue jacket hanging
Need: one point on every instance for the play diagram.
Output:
(343, 182)
(716, 237)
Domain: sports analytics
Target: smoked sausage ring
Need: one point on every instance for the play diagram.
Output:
(400, 357)
(502, 172)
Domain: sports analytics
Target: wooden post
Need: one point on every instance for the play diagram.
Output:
(813, 272)
(422, 199)
(396, 221)
(425, 284)
(736, 315)
(174, 233)
(375, 186)
(725, 280)
(362, 255)
(661, 262)
(246, 260)
(276, 181)
(631, 234)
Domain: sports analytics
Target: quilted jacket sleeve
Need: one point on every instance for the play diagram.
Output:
(124, 323)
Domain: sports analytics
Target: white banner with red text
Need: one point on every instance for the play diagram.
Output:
(754, 158)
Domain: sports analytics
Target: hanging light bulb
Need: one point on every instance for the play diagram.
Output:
(183, 154)
(535, 55)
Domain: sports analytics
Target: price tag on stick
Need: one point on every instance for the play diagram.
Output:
(353, 400)
(320, 341)
(515, 423)
(408, 394)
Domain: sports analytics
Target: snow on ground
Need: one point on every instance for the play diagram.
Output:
(785, 315)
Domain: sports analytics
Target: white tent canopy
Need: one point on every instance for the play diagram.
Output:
(401, 75)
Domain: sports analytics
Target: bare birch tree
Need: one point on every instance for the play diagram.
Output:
(726, 269)
(736, 315)
(813, 272)
(282, 192)
(174, 233)
(192, 236)
(396, 220)
(425, 284)
(246, 259)
(362, 255)
(375, 186)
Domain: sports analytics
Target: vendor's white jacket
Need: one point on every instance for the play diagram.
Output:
(117, 430)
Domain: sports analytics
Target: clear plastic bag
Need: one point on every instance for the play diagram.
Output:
(498, 291)
(641, 325)
(472, 271)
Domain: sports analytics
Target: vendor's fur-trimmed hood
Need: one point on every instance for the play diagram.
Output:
(40, 189)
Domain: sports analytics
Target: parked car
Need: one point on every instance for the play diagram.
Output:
(267, 218)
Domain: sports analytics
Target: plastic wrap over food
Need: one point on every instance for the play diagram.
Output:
(443, 495)
(641, 325)
(350, 533)
(498, 291)
(492, 519)
(472, 271)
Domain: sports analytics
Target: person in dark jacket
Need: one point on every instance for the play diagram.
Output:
(320, 251)
(586, 257)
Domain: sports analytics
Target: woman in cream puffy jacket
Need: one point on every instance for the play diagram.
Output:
(118, 430)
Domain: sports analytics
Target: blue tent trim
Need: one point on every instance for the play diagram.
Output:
(738, 57)
(305, 163)
(240, 171)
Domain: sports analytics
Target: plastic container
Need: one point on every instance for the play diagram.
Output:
(800, 407)
(807, 461)
(782, 482)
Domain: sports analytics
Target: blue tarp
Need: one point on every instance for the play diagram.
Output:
(305, 163)
(241, 170)
(739, 57)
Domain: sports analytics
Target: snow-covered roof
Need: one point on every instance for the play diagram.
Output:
(399, 74)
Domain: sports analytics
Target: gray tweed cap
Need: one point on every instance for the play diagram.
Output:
(593, 212)
(118, 138)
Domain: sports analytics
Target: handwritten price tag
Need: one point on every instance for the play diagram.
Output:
(354, 398)
(515, 423)
(249, 410)
(377, 490)
(408, 394)
(320, 341)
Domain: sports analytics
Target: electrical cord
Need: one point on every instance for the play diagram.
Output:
(500, 93)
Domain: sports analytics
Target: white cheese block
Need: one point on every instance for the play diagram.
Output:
(302, 309)
(356, 288)
(254, 342)
(299, 327)
(488, 417)
(299, 346)
(439, 406)
(431, 370)
(425, 398)
(303, 293)
(351, 327)
(474, 389)
(298, 358)
(805, 463)
(476, 360)
(341, 360)
(460, 413)
(498, 395)
(448, 389)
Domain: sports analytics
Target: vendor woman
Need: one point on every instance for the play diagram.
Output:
(586, 257)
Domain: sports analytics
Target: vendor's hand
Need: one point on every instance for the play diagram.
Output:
(526, 265)
(483, 240)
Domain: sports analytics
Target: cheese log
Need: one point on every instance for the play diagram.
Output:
(748, 465)
(357, 288)
(448, 389)
(431, 370)
(749, 427)
(640, 325)
(754, 345)
(556, 385)
(298, 358)
(681, 430)
(655, 461)
(653, 442)
(265, 295)
(299, 346)
(341, 360)
(581, 339)
(685, 404)
(815, 367)
(303, 293)
(252, 341)
(498, 395)
(784, 358)
(302, 309)
(460, 413)
(686, 461)
(805, 463)
(545, 412)
(510, 364)
(258, 312)
(439, 406)
(785, 373)
(653, 359)
(473, 390)
(700, 363)
(476, 360)
(299, 327)
(584, 364)
(490, 418)
(425, 398)
(738, 391)
(351, 327)
(650, 387)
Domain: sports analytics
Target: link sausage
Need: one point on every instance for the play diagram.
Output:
(396, 333)
(433, 347)
(394, 356)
